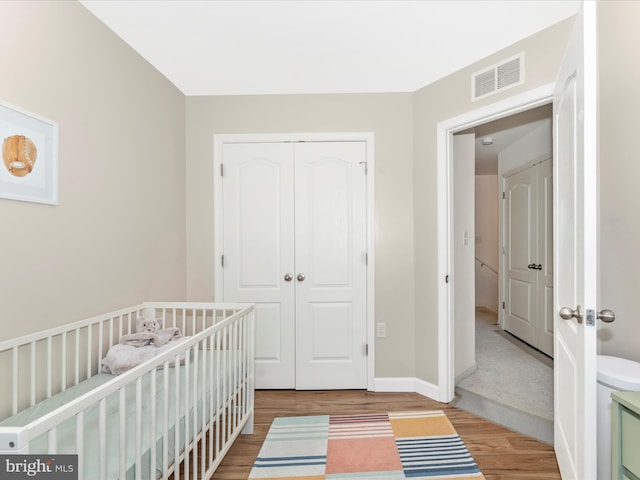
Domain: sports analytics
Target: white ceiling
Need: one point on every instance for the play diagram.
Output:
(288, 47)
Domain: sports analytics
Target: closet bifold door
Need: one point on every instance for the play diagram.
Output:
(294, 220)
(330, 224)
(258, 246)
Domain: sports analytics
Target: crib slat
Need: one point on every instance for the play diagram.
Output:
(212, 395)
(165, 420)
(14, 383)
(205, 388)
(33, 373)
(123, 432)
(176, 391)
(243, 364)
(138, 423)
(111, 331)
(49, 365)
(52, 441)
(100, 346)
(77, 357)
(102, 438)
(194, 380)
(152, 432)
(80, 443)
(63, 372)
(236, 373)
(89, 342)
(187, 406)
(219, 406)
(225, 384)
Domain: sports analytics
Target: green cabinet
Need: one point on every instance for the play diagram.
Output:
(625, 435)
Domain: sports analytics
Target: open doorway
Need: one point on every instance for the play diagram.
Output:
(500, 372)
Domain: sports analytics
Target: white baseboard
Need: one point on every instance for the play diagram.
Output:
(428, 389)
(395, 384)
(407, 384)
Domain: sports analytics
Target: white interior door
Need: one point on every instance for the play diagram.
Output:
(529, 255)
(331, 269)
(575, 227)
(258, 246)
(520, 254)
(294, 243)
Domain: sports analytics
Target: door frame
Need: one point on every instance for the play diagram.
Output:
(446, 282)
(219, 140)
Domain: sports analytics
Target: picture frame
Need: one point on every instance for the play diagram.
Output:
(29, 168)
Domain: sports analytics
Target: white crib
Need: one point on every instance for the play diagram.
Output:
(177, 414)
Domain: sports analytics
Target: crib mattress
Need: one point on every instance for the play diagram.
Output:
(66, 432)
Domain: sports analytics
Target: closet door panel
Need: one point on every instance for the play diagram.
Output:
(331, 254)
(258, 251)
(521, 211)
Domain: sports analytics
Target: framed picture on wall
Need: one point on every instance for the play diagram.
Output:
(29, 169)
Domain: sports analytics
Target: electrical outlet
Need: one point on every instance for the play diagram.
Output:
(381, 330)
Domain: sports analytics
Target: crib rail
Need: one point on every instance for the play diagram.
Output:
(196, 397)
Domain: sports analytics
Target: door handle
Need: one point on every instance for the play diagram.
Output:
(607, 316)
(301, 277)
(288, 277)
(534, 266)
(567, 314)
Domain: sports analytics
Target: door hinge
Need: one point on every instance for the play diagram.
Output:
(503, 305)
(222, 260)
(446, 279)
(504, 195)
(366, 169)
(366, 259)
(366, 349)
(222, 170)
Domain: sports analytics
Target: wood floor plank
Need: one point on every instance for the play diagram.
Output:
(501, 454)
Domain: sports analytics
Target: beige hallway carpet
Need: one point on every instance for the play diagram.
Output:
(510, 372)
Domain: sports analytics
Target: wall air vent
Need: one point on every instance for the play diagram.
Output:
(498, 77)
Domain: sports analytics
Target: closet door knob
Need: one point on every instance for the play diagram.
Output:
(288, 277)
(301, 277)
(531, 266)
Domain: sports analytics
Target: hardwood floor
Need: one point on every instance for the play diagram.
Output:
(500, 453)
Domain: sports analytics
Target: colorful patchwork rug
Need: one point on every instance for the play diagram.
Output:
(386, 446)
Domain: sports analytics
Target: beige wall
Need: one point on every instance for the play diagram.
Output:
(486, 221)
(438, 102)
(117, 236)
(619, 106)
(464, 318)
(389, 117)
